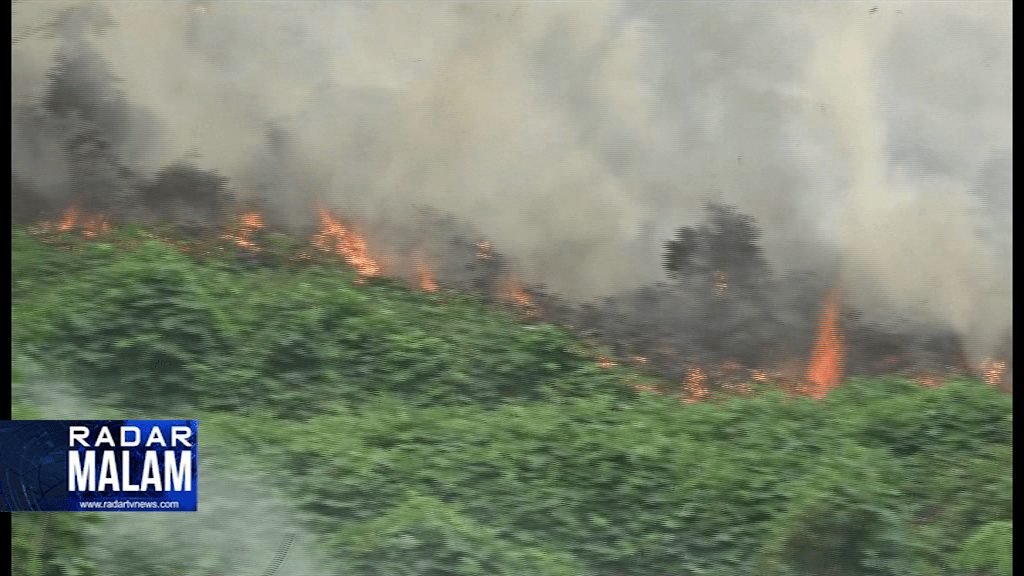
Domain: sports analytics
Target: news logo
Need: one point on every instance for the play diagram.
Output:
(99, 465)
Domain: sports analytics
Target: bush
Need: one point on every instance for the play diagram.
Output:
(426, 434)
(989, 550)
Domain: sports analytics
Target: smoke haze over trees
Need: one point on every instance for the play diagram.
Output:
(870, 148)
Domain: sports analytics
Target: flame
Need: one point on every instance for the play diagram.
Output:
(336, 238)
(426, 277)
(93, 226)
(992, 371)
(242, 236)
(606, 363)
(826, 366)
(741, 388)
(483, 250)
(647, 388)
(639, 360)
(928, 381)
(721, 283)
(90, 225)
(695, 387)
(759, 375)
(515, 294)
(69, 219)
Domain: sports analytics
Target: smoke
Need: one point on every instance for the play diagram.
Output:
(241, 526)
(243, 522)
(578, 137)
(910, 233)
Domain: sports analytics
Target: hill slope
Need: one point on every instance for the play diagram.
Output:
(429, 434)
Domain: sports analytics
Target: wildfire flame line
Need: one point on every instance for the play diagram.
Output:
(249, 224)
(992, 371)
(336, 238)
(427, 283)
(695, 388)
(826, 366)
(90, 225)
(513, 292)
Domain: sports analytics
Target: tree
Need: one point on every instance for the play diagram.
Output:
(185, 195)
(725, 245)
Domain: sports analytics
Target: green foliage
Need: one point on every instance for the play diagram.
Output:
(846, 517)
(51, 544)
(425, 536)
(989, 550)
(425, 434)
(219, 332)
(767, 485)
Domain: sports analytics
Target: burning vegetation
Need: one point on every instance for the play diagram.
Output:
(427, 283)
(243, 232)
(72, 221)
(335, 238)
(826, 366)
(721, 309)
(724, 309)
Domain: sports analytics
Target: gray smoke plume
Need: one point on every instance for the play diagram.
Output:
(244, 526)
(870, 139)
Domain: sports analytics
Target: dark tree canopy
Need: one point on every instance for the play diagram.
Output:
(187, 195)
(726, 244)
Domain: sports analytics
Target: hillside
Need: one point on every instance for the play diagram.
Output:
(429, 433)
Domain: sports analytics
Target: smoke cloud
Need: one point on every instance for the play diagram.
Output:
(579, 136)
(244, 525)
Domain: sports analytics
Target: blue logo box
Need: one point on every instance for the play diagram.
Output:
(99, 465)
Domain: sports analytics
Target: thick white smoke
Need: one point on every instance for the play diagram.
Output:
(578, 136)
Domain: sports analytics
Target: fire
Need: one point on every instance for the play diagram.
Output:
(759, 375)
(928, 381)
(252, 220)
(741, 388)
(90, 225)
(426, 277)
(721, 284)
(695, 387)
(606, 363)
(647, 388)
(483, 250)
(826, 365)
(242, 236)
(93, 226)
(992, 371)
(68, 220)
(515, 294)
(336, 238)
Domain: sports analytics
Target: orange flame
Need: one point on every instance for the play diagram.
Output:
(721, 283)
(93, 226)
(69, 219)
(928, 381)
(336, 238)
(426, 277)
(992, 371)
(242, 236)
(740, 388)
(695, 388)
(483, 250)
(515, 294)
(606, 363)
(647, 388)
(73, 219)
(826, 366)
